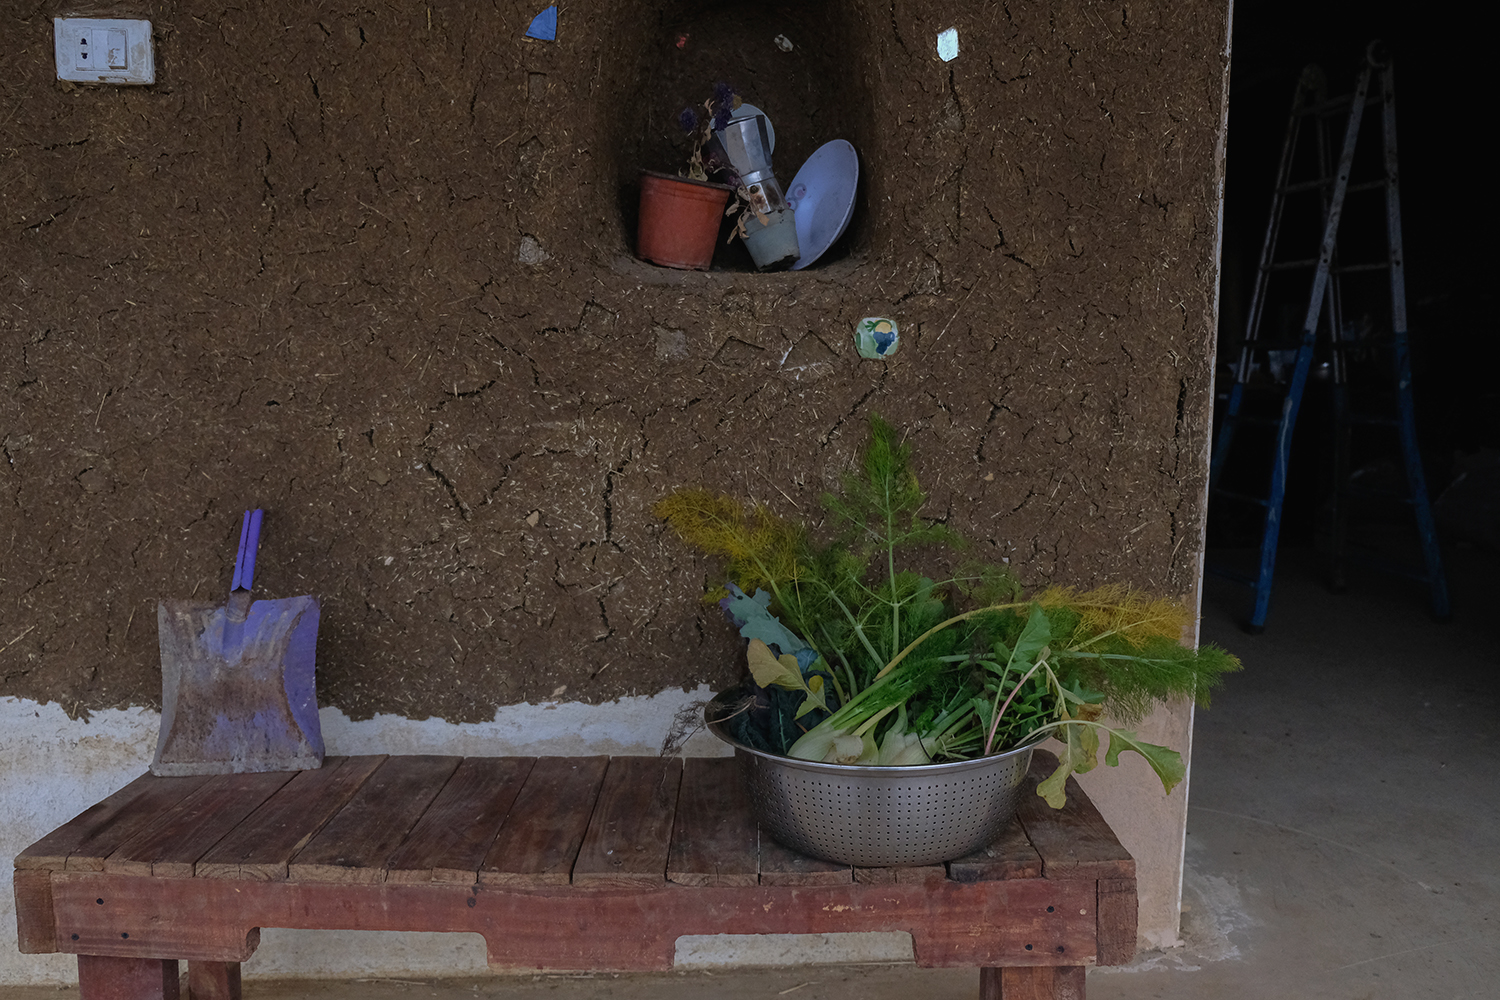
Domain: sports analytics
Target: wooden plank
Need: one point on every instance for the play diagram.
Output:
(900, 875)
(355, 843)
(780, 865)
(101, 978)
(564, 927)
(1040, 982)
(215, 980)
(1074, 841)
(51, 852)
(1010, 856)
(1117, 921)
(451, 840)
(547, 822)
(36, 921)
(631, 829)
(193, 826)
(158, 796)
(260, 847)
(713, 836)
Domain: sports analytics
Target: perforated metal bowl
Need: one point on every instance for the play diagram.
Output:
(880, 816)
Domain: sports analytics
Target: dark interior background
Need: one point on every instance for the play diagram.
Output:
(1449, 222)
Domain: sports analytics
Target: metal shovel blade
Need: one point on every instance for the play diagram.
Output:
(238, 681)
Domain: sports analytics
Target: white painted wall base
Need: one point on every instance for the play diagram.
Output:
(713, 951)
(374, 954)
(291, 954)
(51, 769)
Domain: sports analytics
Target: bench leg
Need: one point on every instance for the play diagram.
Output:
(214, 981)
(104, 978)
(1044, 982)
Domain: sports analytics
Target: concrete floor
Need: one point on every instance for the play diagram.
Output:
(1343, 830)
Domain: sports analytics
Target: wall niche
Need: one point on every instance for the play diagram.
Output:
(814, 92)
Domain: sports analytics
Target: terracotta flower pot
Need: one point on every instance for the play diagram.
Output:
(679, 220)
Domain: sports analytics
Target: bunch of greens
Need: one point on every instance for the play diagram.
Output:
(855, 659)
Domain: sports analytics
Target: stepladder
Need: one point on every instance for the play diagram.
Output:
(1328, 305)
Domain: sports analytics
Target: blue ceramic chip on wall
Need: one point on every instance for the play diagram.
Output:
(544, 25)
(876, 337)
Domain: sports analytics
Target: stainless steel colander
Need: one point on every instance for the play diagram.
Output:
(881, 816)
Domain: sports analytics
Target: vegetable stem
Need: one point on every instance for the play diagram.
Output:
(989, 739)
(895, 661)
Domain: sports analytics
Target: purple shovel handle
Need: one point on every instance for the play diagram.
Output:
(244, 562)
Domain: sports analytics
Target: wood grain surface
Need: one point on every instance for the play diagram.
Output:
(187, 831)
(450, 841)
(157, 797)
(1117, 920)
(547, 822)
(1064, 982)
(102, 978)
(628, 836)
(36, 922)
(654, 848)
(1010, 856)
(215, 980)
(261, 846)
(714, 837)
(780, 865)
(354, 844)
(1074, 841)
(51, 852)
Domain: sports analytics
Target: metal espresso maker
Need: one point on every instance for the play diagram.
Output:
(768, 227)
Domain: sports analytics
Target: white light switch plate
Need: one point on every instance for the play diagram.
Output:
(103, 50)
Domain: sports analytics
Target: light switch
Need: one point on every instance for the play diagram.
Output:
(114, 48)
(103, 50)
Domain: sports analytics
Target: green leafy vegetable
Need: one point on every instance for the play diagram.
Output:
(890, 671)
(783, 671)
(759, 622)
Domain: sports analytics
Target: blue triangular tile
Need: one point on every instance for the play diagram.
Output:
(544, 25)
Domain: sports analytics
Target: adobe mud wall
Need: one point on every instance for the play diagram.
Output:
(368, 266)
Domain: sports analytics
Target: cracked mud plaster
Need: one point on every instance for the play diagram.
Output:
(288, 276)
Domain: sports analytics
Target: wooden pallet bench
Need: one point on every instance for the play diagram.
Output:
(561, 863)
